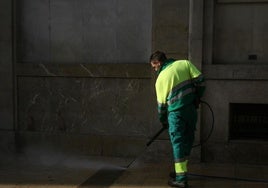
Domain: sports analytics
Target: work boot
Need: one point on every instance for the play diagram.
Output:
(174, 183)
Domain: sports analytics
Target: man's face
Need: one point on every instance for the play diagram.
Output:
(156, 65)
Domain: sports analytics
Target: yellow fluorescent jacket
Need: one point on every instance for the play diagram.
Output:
(178, 84)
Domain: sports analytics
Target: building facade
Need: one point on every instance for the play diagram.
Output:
(75, 75)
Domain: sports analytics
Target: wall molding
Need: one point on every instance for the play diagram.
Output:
(104, 70)
(236, 72)
(242, 1)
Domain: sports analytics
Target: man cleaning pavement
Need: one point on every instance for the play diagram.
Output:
(178, 90)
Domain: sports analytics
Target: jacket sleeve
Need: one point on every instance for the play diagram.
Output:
(197, 79)
(161, 101)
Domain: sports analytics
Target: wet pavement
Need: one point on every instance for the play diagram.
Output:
(67, 171)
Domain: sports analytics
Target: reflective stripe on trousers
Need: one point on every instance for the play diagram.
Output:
(181, 167)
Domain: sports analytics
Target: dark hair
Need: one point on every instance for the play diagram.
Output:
(158, 56)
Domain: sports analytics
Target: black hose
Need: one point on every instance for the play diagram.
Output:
(230, 178)
(201, 142)
(164, 128)
(212, 125)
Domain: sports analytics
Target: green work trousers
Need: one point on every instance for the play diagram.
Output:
(182, 126)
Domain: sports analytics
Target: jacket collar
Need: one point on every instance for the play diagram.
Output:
(165, 65)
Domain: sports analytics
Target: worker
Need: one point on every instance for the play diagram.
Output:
(179, 86)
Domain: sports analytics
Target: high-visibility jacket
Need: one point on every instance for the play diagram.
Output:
(178, 84)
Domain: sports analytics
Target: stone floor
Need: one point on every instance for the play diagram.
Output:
(66, 171)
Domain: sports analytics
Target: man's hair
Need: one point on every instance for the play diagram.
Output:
(158, 56)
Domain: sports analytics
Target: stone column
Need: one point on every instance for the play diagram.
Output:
(6, 77)
(196, 32)
(195, 53)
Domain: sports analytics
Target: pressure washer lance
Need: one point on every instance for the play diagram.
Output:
(155, 136)
(148, 144)
(202, 142)
(164, 128)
